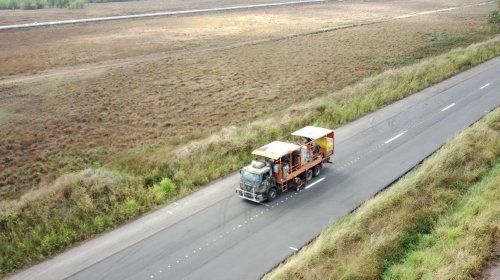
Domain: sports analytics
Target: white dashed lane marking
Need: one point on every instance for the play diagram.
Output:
(293, 248)
(484, 86)
(447, 107)
(315, 183)
(395, 137)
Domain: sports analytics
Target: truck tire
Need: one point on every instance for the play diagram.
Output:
(271, 194)
(309, 175)
(316, 170)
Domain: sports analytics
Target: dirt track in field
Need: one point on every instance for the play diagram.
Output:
(188, 78)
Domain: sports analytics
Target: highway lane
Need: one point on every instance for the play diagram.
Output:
(236, 239)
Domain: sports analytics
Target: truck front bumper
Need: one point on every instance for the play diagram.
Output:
(250, 195)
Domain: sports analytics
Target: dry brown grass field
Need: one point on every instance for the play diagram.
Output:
(149, 6)
(29, 51)
(196, 86)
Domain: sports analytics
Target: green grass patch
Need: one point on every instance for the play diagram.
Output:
(462, 239)
(80, 205)
(3, 116)
(437, 218)
(494, 17)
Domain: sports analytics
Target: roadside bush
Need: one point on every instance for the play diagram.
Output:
(167, 185)
(163, 189)
(494, 17)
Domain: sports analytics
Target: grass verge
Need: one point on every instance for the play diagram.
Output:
(80, 205)
(462, 239)
(434, 222)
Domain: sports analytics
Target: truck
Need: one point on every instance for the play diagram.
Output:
(281, 165)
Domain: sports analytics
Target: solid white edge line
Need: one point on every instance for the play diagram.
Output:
(447, 107)
(484, 86)
(395, 137)
(295, 249)
(315, 183)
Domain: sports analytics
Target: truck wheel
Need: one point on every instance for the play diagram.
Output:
(309, 175)
(271, 194)
(316, 170)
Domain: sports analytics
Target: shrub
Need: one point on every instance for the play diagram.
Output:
(162, 189)
(95, 165)
(167, 185)
(494, 17)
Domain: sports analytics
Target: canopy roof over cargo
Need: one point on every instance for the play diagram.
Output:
(275, 149)
(312, 132)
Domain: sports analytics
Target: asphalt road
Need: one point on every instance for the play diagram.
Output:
(237, 239)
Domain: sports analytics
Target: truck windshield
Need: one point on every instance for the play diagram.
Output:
(251, 178)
